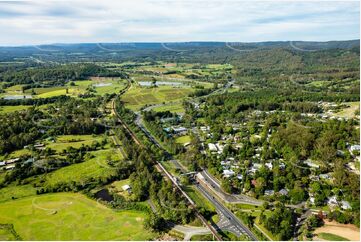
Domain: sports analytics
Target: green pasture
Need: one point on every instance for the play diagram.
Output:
(94, 168)
(183, 139)
(70, 216)
(137, 97)
(172, 107)
(331, 237)
(75, 141)
(9, 109)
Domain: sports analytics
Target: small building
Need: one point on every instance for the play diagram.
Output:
(2, 163)
(11, 161)
(179, 130)
(354, 148)
(10, 167)
(40, 145)
(332, 201)
(220, 148)
(269, 165)
(127, 188)
(212, 147)
(345, 205)
(311, 164)
(225, 162)
(240, 177)
(312, 200)
(269, 192)
(228, 173)
(325, 176)
(283, 192)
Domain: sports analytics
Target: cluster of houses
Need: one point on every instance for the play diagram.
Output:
(9, 164)
(177, 130)
(39, 146)
(333, 202)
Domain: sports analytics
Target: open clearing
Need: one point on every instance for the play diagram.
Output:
(94, 168)
(330, 237)
(70, 216)
(75, 141)
(183, 139)
(137, 97)
(350, 111)
(348, 231)
(172, 107)
(8, 109)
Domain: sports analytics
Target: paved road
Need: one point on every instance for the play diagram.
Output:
(214, 185)
(189, 231)
(228, 221)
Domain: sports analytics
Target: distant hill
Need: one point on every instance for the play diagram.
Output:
(181, 51)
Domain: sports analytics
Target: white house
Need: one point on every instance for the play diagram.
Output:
(220, 148)
(325, 176)
(311, 164)
(228, 173)
(179, 130)
(355, 148)
(12, 161)
(212, 147)
(345, 205)
(332, 201)
(269, 165)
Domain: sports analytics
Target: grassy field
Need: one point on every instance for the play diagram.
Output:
(202, 237)
(75, 141)
(350, 111)
(199, 199)
(183, 139)
(94, 168)
(16, 191)
(331, 237)
(174, 108)
(344, 231)
(101, 86)
(70, 216)
(137, 97)
(8, 109)
(116, 187)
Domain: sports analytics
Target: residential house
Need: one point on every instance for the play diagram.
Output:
(269, 192)
(228, 173)
(345, 205)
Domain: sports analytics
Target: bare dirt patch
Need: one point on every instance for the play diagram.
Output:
(347, 231)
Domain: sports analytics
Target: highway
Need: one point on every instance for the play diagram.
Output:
(228, 221)
(214, 185)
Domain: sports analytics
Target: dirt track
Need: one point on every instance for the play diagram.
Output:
(347, 231)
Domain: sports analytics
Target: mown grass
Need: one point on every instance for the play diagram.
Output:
(137, 97)
(94, 168)
(16, 191)
(202, 237)
(70, 216)
(183, 139)
(174, 108)
(8, 109)
(199, 199)
(331, 237)
(75, 141)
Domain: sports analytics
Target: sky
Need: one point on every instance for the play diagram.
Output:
(78, 21)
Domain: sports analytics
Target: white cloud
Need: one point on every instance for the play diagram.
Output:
(163, 20)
